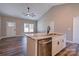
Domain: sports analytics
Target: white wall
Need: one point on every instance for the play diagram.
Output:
(42, 26)
(62, 15)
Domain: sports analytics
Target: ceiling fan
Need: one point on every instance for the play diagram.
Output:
(28, 13)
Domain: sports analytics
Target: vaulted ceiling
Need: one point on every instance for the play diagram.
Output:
(17, 9)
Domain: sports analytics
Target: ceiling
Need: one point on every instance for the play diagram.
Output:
(17, 9)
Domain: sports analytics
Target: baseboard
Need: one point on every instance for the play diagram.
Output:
(69, 41)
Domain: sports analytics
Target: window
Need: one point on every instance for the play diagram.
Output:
(10, 28)
(28, 27)
(10, 24)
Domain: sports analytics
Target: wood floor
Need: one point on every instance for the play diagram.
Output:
(17, 47)
(12, 46)
(72, 49)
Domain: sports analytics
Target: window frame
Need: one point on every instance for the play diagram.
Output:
(29, 24)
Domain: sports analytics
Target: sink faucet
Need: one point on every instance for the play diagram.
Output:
(48, 29)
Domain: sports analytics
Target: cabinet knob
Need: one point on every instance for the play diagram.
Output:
(62, 40)
(58, 43)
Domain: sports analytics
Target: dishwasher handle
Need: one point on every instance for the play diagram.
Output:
(46, 42)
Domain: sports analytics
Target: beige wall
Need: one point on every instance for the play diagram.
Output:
(19, 24)
(62, 15)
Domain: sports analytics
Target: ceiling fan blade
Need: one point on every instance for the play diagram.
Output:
(32, 14)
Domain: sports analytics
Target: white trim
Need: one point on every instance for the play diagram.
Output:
(74, 29)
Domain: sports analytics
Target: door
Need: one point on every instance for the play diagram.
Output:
(76, 29)
(10, 28)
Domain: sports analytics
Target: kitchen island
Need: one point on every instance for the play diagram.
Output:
(42, 44)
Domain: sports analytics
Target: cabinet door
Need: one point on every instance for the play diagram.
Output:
(58, 43)
(55, 46)
(62, 42)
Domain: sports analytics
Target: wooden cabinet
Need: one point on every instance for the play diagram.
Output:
(58, 43)
(40, 47)
(31, 47)
(34, 48)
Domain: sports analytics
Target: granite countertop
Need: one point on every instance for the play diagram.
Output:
(39, 36)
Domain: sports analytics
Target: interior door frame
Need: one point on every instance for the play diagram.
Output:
(74, 36)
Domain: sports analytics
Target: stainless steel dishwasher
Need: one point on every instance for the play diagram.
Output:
(45, 47)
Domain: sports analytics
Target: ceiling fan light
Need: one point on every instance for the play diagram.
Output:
(28, 13)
